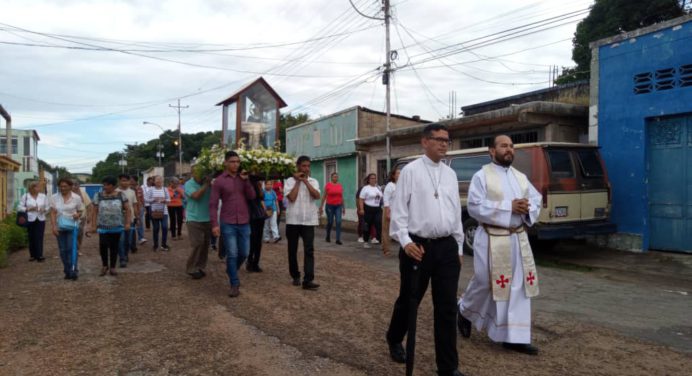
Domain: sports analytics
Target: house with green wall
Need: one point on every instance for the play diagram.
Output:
(330, 142)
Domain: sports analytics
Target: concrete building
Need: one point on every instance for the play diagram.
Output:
(527, 122)
(23, 148)
(641, 116)
(330, 142)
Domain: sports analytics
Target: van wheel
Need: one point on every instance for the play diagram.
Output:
(470, 226)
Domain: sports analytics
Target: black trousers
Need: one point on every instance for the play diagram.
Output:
(176, 224)
(440, 266)
(372, 217)
(256, 230)
(36, 230)
(109, 244)
(307, 233)
(147, 216)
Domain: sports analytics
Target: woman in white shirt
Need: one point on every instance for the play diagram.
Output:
(66, 210)
(369, 206)
(36, 205)
(388, 196)
(157, 197)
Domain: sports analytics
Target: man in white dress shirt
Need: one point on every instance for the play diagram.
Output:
(504, 202)
(426, 221)
(301, 220)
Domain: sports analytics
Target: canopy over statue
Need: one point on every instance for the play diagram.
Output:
(251, 115)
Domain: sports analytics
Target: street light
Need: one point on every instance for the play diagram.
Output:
(178, 143)
(122, 163)
(160, 154)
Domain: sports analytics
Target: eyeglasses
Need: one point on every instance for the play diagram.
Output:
(441, 140)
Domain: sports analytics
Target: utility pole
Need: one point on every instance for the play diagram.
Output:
(386, 80)
(180, 139)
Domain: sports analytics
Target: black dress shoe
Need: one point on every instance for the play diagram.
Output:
(524, 348)
(41, 259)
(464, 326)
(457, 373)
(328, 240)
(397, 352)
(258, 269)
(310, 285)
(32, 259)
(196, 275)
(296, 281)
(339, 242)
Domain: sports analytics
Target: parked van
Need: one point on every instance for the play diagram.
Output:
(571, 178)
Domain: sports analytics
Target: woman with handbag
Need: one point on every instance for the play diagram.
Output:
(66, 209)
(34, 205)
(258, 214)
(158, 199)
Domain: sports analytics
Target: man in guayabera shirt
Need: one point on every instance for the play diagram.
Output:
(234, 190)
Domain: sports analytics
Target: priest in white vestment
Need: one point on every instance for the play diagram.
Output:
(498, 297)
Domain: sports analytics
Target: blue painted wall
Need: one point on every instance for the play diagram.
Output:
(622, 114)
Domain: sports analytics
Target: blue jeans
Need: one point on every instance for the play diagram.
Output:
(163, 224)
(334, 215)
(140, 223)
(236, 240)
(65, 239)
(127, 242)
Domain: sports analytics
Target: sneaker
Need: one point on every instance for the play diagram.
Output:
(374, 241)
(360, 240)
(165, 248)
(142, 241)
(339, 242)
(367, 245)
(296, 281)
(277, 240)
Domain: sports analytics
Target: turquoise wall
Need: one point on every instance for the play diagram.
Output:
(337, 134)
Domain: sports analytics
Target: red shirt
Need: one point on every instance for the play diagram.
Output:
(279, 189)
(335, 193)
(234, 193)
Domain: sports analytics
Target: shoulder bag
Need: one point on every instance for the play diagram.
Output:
(22, 217)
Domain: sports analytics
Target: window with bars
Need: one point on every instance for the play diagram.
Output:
(662, 79)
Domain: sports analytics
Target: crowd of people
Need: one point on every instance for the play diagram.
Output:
(419, 208)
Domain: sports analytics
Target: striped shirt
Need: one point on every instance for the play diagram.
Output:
(157, 198)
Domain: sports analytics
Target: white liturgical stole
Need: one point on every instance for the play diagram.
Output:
(500, 241)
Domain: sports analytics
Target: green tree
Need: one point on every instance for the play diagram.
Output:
(61, 171)
(289, 120)
(611, 17)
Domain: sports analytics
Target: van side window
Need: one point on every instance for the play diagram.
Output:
(590, 163)
(465, 167)
(560, 163)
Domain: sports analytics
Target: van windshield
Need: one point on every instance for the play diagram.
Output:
(465, 167)
(590, 163)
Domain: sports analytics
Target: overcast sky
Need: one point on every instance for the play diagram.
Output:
(86, 74)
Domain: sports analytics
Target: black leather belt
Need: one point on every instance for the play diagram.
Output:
(419, 239)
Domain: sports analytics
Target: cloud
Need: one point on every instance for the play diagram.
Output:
(115, 92)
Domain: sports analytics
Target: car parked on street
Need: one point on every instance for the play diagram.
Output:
(571, 177)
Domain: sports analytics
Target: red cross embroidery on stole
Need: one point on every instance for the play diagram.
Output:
(502, 281)
(530, 278)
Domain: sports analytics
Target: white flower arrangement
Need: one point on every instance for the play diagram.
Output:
(262, 162)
